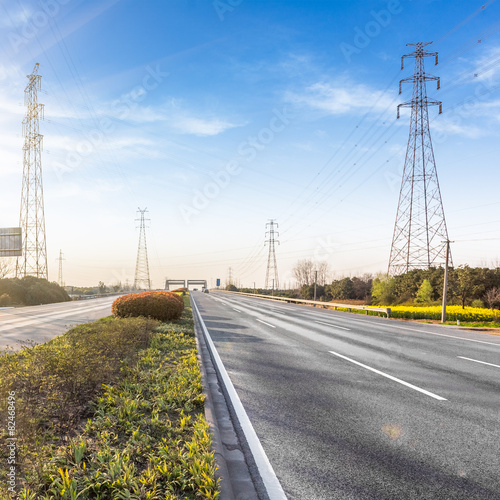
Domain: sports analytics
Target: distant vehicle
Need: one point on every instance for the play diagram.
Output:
(195, 289)
(204, 290)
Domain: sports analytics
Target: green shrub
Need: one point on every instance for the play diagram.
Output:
(164, 306)
(475, 303)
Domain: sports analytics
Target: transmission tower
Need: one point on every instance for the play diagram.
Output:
(142, 266)
(230, 276)
(32, 219)
(272, 267)
(60, 276)
(420, 233)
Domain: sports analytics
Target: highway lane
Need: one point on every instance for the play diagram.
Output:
(350, 406)
(25, 325)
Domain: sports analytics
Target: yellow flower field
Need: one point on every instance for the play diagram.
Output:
(472, 314)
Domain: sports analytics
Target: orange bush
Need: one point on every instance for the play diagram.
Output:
(164, 306)
(182, 290)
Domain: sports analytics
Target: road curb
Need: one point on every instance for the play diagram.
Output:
(222, 473)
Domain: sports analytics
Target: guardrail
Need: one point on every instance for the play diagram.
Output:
(335, 306)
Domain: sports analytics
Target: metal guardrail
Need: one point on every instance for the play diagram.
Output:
(335, 306)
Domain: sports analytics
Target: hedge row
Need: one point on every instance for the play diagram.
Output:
(164, 306)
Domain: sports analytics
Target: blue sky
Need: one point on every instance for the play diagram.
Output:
(218, 116)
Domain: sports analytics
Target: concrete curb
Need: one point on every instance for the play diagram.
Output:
(222, 472)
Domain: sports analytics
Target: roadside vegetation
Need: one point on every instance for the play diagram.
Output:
(110, 410)
(473, 293)
(29, 291)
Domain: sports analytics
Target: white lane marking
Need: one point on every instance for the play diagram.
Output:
(268, 324)
(266, 471)
(237, 310)
(399, 381)
(477, 361)
(331, 324)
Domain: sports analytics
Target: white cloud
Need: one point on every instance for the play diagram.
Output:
(488, 66)
(340, 98)
(203, 127)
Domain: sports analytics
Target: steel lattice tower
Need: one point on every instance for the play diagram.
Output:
(142, 265)
(420, 233)
(272, 267)
(32, 219)
(60, 276)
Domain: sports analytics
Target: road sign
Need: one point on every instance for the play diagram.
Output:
(10, 242)
(218, 281)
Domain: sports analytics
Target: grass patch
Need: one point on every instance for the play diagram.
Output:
(110, 410)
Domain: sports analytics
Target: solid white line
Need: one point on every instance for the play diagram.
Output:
(331, 324)
(399, 381)
(268, 324)
(237, 310)
(477, 361)
(266, 471)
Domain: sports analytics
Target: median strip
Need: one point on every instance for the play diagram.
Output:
(399, 381)
(477, 361)
(268, 324)
(331, 324)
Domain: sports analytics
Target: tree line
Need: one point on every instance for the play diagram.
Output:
(467, 286)
(30, 291)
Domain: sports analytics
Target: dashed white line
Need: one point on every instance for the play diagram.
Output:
(237, 310)
(398, 380)
(268, 324)
(332, 324)
(477, 361)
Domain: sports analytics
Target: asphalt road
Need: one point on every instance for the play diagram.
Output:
(25, 325)
(354, 407)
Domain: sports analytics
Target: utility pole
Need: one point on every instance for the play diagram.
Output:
(272, 291)
(420, 223)
(230, 279)
(315, 281)
(272, 267)
(142, 264)
(60, 276)
(254, 287)
(445, 283)
(33, 261)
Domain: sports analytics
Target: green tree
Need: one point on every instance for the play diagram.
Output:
(383, 290)
(465, 284)
(424, 294)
